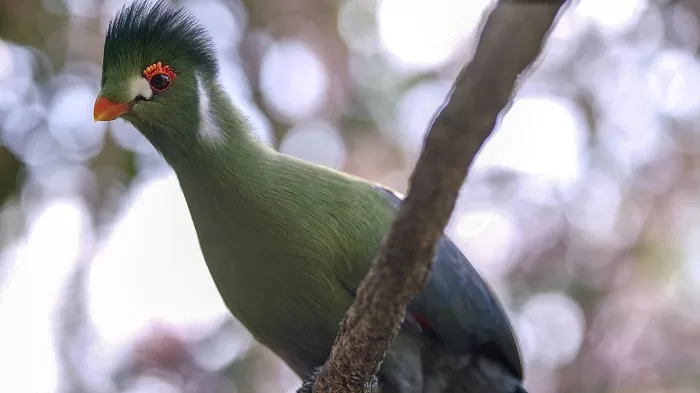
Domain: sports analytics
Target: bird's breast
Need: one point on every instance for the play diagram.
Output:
(285, 299)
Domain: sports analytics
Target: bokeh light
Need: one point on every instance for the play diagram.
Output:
(541, 136)
(293, 79)
(421, 34)
(581, 210)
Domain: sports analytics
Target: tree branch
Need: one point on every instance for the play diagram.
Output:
(510, 41)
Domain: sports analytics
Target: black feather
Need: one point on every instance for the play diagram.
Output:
(461, 308)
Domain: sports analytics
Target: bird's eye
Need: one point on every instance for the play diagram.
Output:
(159, 76)
(160, 82)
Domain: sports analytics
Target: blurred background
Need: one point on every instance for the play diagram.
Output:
(583, 209)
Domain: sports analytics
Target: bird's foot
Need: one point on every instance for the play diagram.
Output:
(372, 386)
(308, 384)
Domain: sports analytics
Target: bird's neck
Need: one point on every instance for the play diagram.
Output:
(217, 141)
(223, 168)
(232, 156)
(209, 140)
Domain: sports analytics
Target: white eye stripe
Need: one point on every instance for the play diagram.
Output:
(209, 130)
(139, 86)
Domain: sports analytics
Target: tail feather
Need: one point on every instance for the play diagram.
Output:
(469, 374)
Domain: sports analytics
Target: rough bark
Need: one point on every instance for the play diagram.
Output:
(511, 39)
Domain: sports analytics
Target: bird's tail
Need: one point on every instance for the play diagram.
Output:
(482, 375)
(520, 389)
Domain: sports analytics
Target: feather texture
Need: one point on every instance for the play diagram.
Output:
(460, 307)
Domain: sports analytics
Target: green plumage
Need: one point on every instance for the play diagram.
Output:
(277, 227)
(287, 242)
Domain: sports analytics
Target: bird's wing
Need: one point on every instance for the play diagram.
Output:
(460, 308)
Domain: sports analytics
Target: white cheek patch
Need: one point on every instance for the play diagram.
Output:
(139, 86)
(209, 131)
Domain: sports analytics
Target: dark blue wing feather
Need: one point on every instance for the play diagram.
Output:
(461, 308)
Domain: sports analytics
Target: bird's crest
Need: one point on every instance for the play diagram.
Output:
(144, 28)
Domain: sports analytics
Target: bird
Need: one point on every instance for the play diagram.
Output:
(287, 242)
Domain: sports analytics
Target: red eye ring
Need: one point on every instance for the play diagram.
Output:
(159, 77)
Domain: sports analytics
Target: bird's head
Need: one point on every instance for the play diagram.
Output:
(158, 60)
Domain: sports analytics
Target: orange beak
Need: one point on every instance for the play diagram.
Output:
(106, 110)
